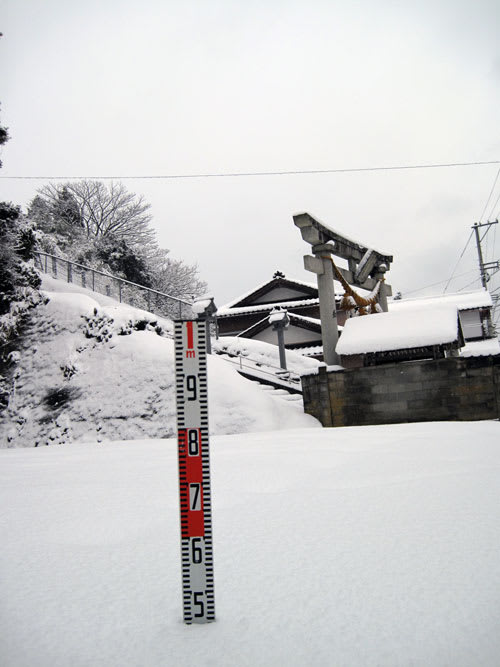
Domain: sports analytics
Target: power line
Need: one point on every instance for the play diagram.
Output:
(458, 262)
(468, 285)
(489, 196)
(420, 289)
(494, 206)
(256, 173)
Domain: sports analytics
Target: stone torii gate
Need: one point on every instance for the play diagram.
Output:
(366, 267)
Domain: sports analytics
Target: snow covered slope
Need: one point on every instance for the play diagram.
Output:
(355, 546)
(90, 370)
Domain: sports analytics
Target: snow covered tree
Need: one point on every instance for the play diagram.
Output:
(19, 283)
(108, 228)
(59, 223)
(17, 243)
(123, 260)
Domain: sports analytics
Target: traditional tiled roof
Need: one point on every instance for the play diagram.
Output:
(304, 318)
(228, 311)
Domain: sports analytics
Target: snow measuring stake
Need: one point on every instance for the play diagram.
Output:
(194, 472)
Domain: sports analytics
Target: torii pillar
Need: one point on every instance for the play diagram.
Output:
(322, 266)
(382, 294)
(327, 306)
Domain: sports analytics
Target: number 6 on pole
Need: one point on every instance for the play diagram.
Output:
(194, 472)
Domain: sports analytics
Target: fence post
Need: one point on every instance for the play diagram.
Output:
(93, 280)
(120, 291)
(70, 278)
(148, 299)
(46, 264)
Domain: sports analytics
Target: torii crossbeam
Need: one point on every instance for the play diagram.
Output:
(366, 267)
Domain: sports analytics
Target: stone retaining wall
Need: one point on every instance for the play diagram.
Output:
(457, 389)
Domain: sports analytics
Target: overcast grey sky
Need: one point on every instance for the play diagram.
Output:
(124, 88)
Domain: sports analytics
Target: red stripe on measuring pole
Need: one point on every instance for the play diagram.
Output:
(190, 336)
(191, 483)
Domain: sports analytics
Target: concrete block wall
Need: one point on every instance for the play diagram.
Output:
(457, 389)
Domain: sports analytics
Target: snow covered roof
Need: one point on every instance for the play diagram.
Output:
(303, 318)
(481, 348)
(228, 311)
(400, 329)
(281, 280)
(462, 300)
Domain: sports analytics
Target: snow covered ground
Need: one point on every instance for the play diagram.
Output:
(352, 546)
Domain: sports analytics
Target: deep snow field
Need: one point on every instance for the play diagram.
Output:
(351, 546)
(344, 547)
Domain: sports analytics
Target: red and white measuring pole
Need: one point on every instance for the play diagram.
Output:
(194, 472)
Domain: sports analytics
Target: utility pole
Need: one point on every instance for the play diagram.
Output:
(484, 267)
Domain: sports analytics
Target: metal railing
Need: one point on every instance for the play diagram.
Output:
(120, 289)
(266, 372)
(156, 302)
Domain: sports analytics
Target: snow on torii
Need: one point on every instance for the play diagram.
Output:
(367, 268)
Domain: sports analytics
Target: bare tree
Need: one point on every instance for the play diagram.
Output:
(179, 279)
(105, 210)
(116, 224)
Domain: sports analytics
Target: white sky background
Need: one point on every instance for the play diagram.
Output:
(161, 87)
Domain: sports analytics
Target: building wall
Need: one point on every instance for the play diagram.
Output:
(293, 335)
(307, 311)
(280, 294)
(231, 326)
(238, 323)
(458, 389)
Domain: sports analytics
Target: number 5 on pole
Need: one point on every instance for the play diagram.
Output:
(194, 472)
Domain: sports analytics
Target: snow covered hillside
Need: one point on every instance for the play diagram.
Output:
(90, 368)
(353, 546)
